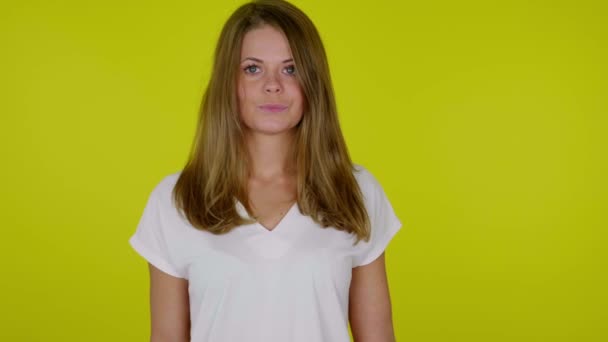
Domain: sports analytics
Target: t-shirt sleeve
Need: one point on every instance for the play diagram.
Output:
(149, 239)
(383, 220)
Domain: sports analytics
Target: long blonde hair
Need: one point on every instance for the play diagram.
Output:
(217, 169)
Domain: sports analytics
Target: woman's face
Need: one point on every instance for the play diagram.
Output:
(269, 95)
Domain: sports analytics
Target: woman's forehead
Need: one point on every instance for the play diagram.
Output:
(266, 43)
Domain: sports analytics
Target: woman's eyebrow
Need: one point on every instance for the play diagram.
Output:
(261, 61)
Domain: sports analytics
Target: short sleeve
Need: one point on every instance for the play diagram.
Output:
(383, 220)
(149, 239)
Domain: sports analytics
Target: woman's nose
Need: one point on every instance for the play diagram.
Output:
(272, 85)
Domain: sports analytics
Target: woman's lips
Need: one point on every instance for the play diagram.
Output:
(273, 108)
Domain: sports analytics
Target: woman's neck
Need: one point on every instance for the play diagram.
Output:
(270, 155)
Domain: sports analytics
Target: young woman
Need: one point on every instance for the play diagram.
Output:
(270, 232)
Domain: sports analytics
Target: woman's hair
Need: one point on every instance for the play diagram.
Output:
(217, 170)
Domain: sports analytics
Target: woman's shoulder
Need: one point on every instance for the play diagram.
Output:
(165, 185)
(363, 176)
(163, 188)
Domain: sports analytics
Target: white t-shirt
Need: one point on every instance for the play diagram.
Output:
(252, 284)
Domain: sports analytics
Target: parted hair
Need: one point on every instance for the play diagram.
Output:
(218, 165)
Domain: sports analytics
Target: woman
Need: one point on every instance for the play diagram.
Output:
(270, 232)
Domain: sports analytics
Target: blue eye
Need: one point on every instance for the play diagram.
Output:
(292, 68)
(254, 69)
(249, 67)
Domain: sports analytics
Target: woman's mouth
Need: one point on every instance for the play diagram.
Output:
(273, 108)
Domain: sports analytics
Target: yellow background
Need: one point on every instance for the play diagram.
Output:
(484, 121)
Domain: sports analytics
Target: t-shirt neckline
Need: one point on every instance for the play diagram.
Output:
(279, 225)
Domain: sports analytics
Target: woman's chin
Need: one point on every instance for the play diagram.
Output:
(271, 128)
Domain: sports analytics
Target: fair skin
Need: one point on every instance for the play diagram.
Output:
(369, 309)
(266, 76)
(169, 307)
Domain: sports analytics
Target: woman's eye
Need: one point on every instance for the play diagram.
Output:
(291, 69)
(251, 68)
(254, 69)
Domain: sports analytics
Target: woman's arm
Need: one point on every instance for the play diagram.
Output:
(369, 310)
(169, 307)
